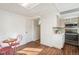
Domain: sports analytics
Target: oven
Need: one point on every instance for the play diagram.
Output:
(71, 34)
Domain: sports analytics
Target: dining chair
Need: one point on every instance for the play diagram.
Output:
(16, 43)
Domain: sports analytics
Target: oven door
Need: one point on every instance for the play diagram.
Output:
(71, 36)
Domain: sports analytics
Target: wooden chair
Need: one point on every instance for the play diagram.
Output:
(16, 43)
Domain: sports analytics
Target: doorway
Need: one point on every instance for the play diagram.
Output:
(36, 30)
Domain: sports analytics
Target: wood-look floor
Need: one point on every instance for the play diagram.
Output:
(34, 48)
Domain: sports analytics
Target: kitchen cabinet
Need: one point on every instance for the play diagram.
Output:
(60, 22)
(71, 21)
(59, 40)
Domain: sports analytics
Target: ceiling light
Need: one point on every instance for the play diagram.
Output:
(28, 5)
(24, 4)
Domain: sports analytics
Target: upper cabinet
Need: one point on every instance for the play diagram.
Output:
(60, 22)
(72, 21)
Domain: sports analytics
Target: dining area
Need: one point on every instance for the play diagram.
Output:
(8, 46)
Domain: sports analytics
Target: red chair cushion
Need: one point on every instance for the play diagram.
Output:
(6, 51)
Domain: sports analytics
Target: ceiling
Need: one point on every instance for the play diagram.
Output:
(68, 10)
(31, 10)
(66, 6)
(16, 8)
(40, 9)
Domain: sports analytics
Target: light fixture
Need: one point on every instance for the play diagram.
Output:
(24, 4)
(29, 5)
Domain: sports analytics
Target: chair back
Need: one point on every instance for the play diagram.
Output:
(19, 38)
(0, 46)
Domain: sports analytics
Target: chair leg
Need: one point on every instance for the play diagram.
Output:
(15, 50)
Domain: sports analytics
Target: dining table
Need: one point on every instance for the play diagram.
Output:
(11, 42)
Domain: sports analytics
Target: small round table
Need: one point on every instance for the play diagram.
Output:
(11, 42)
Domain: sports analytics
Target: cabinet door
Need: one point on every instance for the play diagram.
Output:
(60, 23)
(67, 21)
(71, 20)
(74, 20)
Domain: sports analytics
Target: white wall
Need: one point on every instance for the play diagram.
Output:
(12, 24)
(47, 34)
